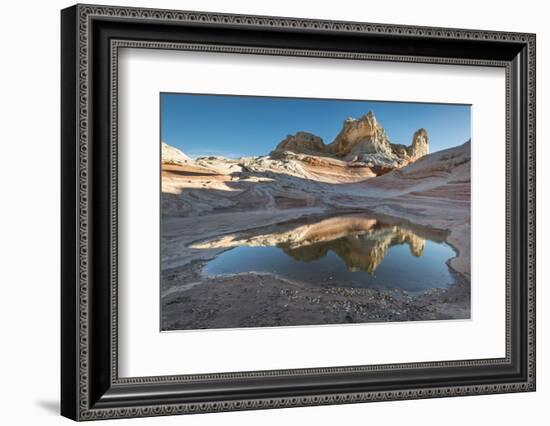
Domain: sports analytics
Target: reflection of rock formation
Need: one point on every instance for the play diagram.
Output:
(360, 251)
(361, 242)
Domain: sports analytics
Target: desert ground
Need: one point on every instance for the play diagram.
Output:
(212, 204)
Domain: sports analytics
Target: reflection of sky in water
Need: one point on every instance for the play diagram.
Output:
(398, 268)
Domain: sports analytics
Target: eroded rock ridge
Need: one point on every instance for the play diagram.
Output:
(362, 142)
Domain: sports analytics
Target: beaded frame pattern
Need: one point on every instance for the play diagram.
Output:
(86, 12)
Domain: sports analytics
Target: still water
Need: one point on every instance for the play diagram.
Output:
(341, 251)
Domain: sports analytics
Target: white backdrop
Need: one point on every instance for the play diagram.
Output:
(29, 225)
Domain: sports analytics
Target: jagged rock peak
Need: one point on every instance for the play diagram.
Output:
(420, 145)
(368, 117)
(302, 143)
(361, 136)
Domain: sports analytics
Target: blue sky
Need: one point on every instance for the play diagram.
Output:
(236, 126)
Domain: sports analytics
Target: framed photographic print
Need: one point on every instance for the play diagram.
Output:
(263, 212)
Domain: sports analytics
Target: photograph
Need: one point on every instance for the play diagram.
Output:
(280, 212)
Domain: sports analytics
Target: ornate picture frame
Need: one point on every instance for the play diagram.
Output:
(91, 37)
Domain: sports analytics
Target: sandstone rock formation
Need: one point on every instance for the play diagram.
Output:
(171, 155)
(303, 143)
(418, 148)
(361, 136)
(307, 181)
(362, 142)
